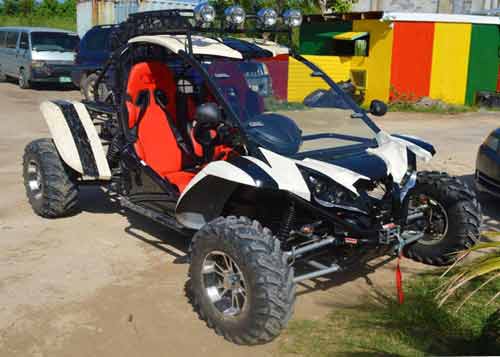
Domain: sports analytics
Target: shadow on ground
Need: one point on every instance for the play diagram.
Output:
(59, 87)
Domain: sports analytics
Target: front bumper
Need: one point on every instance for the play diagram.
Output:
(487, 184)
(52, 74)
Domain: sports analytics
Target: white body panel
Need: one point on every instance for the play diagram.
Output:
(223, 170)
(285, 172)
(61, 134)
(65, 143)
(95, 142)
(201, 45)
(341, 175)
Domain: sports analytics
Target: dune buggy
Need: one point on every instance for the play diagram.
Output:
(274, 191)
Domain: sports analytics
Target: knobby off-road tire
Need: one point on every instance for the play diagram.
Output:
(464, 218)
(49, 187)
(268, 278)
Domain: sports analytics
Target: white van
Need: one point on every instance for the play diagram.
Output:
(37, 54)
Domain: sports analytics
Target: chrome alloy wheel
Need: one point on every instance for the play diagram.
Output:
(224, 284)
(35, 180)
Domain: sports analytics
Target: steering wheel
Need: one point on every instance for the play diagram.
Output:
(205, 132)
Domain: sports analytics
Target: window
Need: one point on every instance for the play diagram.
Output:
(3, 35)
(351, 44)
(12, 39)
(492, 143)
(23, 42)
(54, 41)
(97, 39)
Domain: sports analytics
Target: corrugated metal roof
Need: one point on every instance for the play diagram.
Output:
(454, 18)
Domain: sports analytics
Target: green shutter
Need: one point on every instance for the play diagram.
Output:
(317, 38)
(483, 61)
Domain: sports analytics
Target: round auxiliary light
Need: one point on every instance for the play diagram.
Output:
(267, 17)
(235, 15)
(204, 13)
(292, 18)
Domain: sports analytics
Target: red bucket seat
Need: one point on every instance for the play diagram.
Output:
(157, 139)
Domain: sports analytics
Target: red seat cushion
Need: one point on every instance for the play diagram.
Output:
(156, 144)
(180, 179)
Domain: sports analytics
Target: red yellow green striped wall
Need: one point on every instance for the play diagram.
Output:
(447, 61)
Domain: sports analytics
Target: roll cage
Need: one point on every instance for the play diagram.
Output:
(181, 23)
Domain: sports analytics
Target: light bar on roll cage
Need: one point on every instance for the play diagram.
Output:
(204, 14)
(267, 18)
(235, 15)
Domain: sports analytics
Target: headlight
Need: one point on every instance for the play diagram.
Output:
(328, 193)
(204, 13)
(267, 18)
(38, 64)
(292, 18)
(235, 15)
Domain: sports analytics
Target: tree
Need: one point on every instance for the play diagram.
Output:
(338, 6)
(68, 8)
(26, 7)
(48, 8)
(306, 6)
(10, 7)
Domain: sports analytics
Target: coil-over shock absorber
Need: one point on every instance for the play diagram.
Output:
(114, 149)
(287, 222)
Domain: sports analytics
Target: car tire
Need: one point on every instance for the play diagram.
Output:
(83, 78)
(23, 80)
(463, 216)
(265, 275)
(51, 190)
(88, 86)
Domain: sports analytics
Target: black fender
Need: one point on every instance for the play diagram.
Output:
(76, 138)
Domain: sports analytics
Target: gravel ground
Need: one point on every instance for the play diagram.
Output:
(104, 283)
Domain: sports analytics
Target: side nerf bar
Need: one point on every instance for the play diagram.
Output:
(76, 138)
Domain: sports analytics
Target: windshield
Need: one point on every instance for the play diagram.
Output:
(274, 96)
(54, 41)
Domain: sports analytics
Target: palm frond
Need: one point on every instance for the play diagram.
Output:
(481, 266)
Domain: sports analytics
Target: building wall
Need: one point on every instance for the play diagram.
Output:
(406, 60)
(300, 82)
(483, 61)
(378, 62)
(105, 12)
(450, 62)
(411, 60)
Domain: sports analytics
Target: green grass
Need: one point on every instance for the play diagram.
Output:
(55, 22)
(382, 327)
(436, 109)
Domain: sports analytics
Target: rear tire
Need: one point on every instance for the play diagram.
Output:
(50, 189)
(104, 94)
(463, 214)
(88, 87)
(23, 81)
(265, 275)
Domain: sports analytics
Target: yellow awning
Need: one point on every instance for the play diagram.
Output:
(350, 36)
